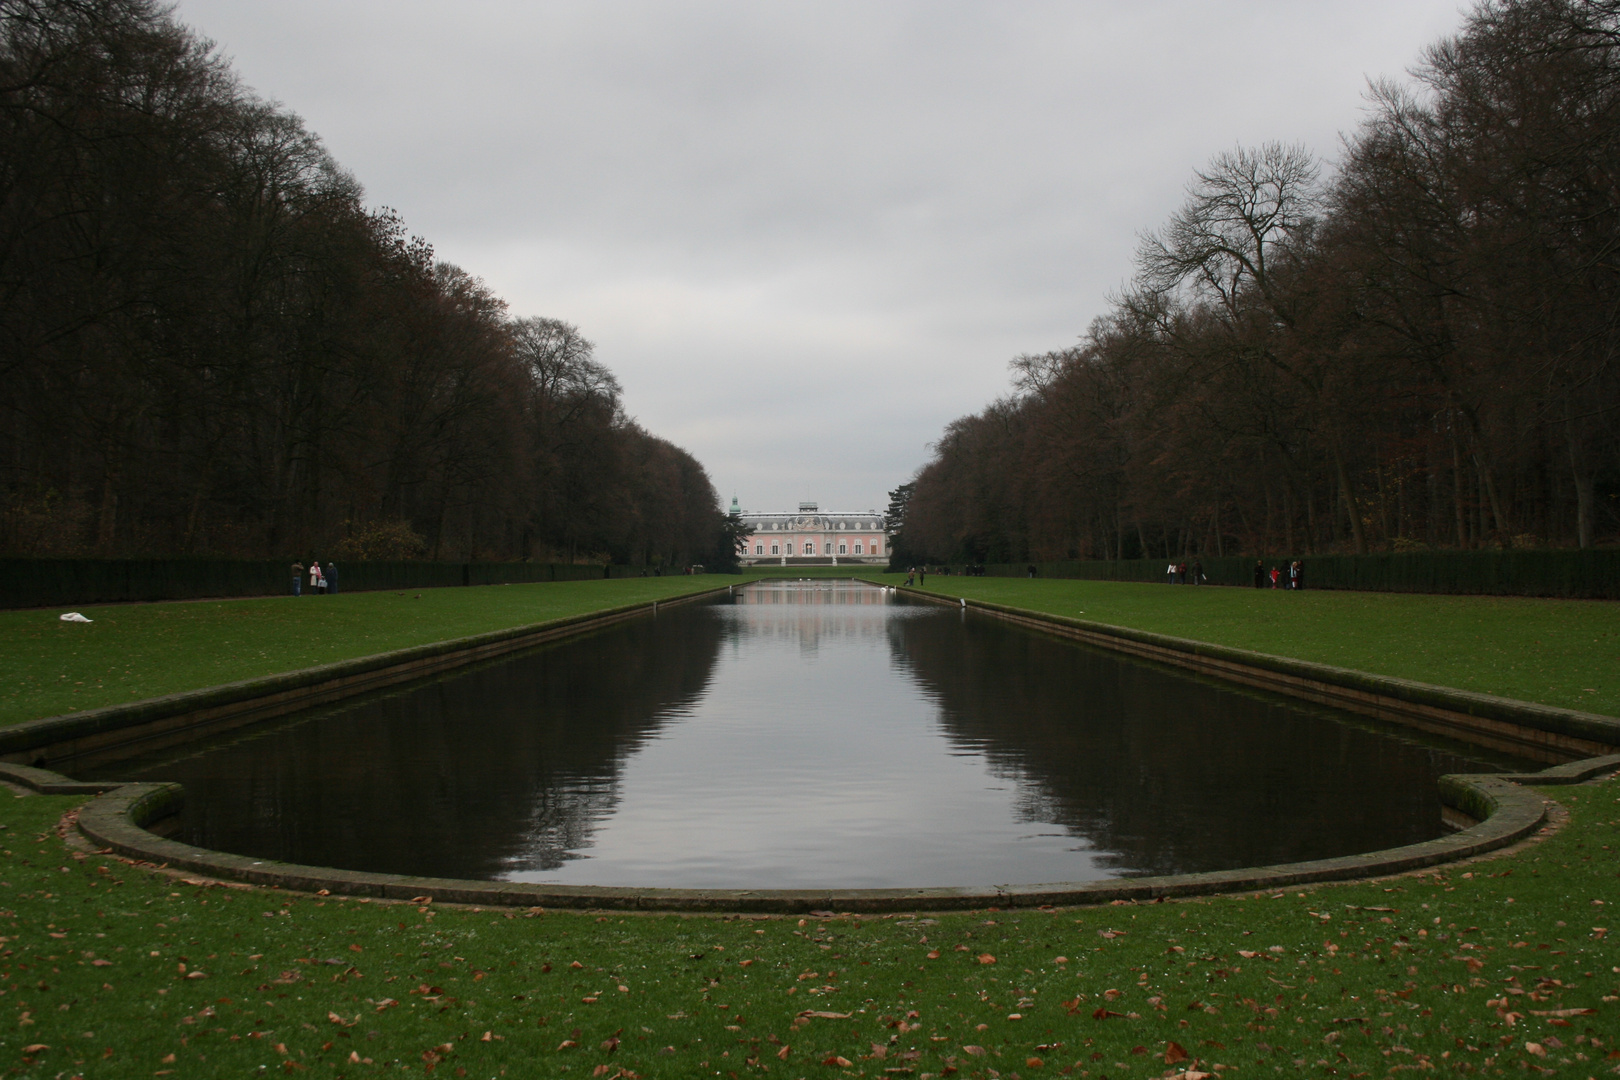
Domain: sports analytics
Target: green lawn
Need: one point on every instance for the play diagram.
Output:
(1558, 652)
(135, 651)
(113, 970)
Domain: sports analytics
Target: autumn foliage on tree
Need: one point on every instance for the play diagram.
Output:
(209, 345)
(1417, 349)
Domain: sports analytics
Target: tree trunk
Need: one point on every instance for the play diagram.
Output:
(1288, 518)
(107, 521)
(1583, 489)
(1348, 494)
(1487, 482)
(1310, 518)
(1457, 485)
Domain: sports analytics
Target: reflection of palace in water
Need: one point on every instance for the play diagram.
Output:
(813, 538)
(800, 593)
(809, 611)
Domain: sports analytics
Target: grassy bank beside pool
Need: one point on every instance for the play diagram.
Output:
(110, 969)
(1557, 652)
(135, 651)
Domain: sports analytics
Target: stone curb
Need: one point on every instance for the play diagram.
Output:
(1541, 731)
(1505, 811)
(175, 716)
(1508, 812)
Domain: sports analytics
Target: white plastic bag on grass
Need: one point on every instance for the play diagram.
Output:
(74, 616)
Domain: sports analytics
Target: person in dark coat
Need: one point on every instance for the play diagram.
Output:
(298, 578)
(331, 579)
(1259, 574)
(1197, 572)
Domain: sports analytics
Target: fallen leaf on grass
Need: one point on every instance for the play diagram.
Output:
(1563, 1012)
(986, 958)
(1536, 1049)
(783, 1053)
(834, 1059)
(819, 1015)
(1104, 1014)
(1174, 1052)
(976, 1051)
(34, 1048)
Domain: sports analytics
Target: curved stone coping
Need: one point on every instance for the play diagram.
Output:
(253, 699)
(1507, 812)
(1545, 730)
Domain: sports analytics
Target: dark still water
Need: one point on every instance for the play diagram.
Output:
(811, 734)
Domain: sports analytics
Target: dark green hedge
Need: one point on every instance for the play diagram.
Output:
(1593, 574)
(58, 582)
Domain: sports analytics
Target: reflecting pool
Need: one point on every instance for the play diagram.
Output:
(799, 734)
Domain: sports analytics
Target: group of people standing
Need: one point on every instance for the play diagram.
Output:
(1291, 576)
(322, 580)
(1182, 574)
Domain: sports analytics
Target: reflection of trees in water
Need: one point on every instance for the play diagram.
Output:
(426, 781)
(1166, 774)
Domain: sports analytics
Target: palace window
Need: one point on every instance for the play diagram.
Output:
(790, 549)
(857, 547)
(842, 549)
(774, 551)
(874, 547)
(809, 549)
(759, 549)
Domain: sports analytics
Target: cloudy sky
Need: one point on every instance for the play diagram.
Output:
(807, 236)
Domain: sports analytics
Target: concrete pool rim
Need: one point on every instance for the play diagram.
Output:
(1504, 811)
(1507, 812)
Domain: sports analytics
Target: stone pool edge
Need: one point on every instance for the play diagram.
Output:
(1539, 732)
(1505, 811)
(174, 719)
(114, 820)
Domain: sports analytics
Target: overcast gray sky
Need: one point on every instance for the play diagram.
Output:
(807, 236)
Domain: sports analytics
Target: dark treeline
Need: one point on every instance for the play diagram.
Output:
(1418, 350)
(209, 345)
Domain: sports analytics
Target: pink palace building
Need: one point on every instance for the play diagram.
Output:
(812, 538)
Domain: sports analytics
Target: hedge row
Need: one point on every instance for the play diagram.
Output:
(56, 582)
(1592, 574)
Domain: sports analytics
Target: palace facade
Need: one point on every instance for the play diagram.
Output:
(813, 538)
